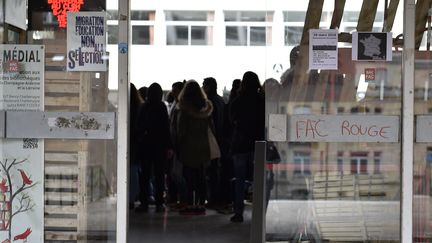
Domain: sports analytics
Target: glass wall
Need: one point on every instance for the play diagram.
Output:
(326, 187)
(422, 229)
(79, 174)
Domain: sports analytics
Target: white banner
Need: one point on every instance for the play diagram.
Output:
(21, 160)
(86, 41)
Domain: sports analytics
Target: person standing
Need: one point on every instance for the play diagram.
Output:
(193, 147)
(214, 170)
(154, 144)
(248, 120)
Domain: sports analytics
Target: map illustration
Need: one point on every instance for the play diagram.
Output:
(372, 46)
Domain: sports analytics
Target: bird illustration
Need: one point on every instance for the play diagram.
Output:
(6, 241)
(3, 187)
(25, 178)
(23, 236)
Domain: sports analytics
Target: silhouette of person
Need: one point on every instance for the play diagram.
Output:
(247, 116)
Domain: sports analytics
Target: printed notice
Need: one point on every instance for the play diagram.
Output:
(22, 160)
(86, 41)
(372, 46)
(277, 127)
(323, 51)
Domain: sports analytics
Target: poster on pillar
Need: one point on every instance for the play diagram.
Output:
(86, 41)
(21, 160)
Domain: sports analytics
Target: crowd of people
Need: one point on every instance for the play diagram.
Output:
(192, 150)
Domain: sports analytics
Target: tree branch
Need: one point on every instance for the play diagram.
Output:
(15, 162)
(21, 189)
(25, 205)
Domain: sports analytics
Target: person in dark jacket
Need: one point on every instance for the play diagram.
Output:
(154, 144)
(193, 148)
(214, 170)
(248, 119)
(135, 104)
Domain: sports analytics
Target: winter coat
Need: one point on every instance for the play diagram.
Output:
(218, 116)
(153, 131)
(192, 135)
(247, 116)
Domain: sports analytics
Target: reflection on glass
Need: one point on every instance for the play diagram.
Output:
(335, 191)
(293, 35)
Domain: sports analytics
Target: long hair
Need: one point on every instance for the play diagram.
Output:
(154, 93)
(250, 84)
(192, 95)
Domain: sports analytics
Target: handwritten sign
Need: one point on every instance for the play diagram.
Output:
(423, 128)
(86, 41)
(343, 128)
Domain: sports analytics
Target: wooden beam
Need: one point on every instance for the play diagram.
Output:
(367, 15)
(300, 82)
(312, 21)
(390, 16)
(337, 14)
(422, 7)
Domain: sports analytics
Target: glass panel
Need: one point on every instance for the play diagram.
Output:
(80, 175)
(236, 35)
(257, 36)
(293, 35)
(112, 34)
(199, 35)
(333, 190)
(422, 179)
(246, 16)
(140, 35)
(177, 35)
(142, 15)
(186, 15)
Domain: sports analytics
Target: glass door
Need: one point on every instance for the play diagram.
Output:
(338, 177)
(59, 152)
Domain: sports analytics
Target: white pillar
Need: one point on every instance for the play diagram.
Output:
(407, 121)
(123, 121)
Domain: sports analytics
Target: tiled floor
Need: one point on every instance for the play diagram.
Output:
(170, 227)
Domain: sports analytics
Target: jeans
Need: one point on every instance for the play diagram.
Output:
(195, 185)
(242, 164)
(134, 189)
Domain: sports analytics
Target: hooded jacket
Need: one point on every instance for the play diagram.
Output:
(192, 135)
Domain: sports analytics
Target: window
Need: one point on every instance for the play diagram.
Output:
(294, 22)
(189, 27)
(377, 162)
(302, 163)
(359, 162)
(248, 28)
(142, 27)
(112, 34)
(293, 35)
(340, 161)
(140, 35)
